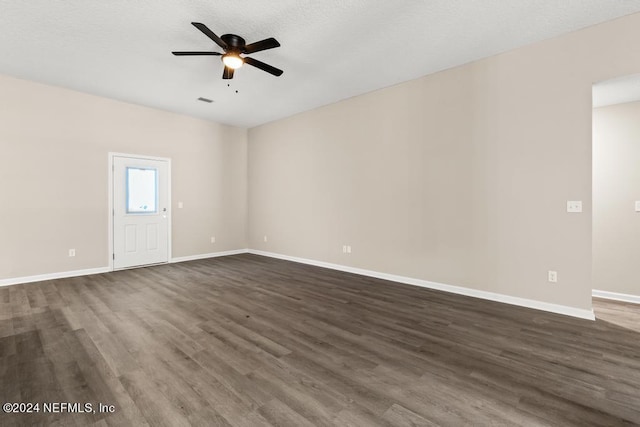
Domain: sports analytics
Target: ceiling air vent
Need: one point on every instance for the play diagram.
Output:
(205, 100)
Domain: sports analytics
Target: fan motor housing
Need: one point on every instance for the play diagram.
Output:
(234, 42)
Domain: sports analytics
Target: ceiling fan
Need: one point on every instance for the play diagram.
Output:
(233, 47)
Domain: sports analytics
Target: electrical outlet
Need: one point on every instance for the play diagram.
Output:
(72, 252)
(574, 206)
(213, 239)
(265, 238)
(344, 249)
(552, 276)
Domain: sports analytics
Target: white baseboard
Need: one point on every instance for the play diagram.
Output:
(100, 270)
(51, 276)
(209, 255)
(522, 302)
(635, 299)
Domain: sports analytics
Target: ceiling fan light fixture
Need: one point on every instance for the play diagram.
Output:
(232, 60)
(234, 45)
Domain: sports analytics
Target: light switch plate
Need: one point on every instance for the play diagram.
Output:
(637, 205)
(574, 206)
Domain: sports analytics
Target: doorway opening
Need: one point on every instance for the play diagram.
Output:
(616, 189)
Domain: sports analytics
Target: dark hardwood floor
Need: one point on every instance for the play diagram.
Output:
(252, 341)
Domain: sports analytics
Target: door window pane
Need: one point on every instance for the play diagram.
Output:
(142, 190)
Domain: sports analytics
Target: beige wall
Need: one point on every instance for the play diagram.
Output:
(53, 176)
(616, 187)
(461, 177)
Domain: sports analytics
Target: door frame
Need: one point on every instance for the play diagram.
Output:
(110, 193)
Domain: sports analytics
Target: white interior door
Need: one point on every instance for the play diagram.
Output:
(140, 211)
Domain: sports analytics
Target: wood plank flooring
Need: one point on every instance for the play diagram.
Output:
(251, 341)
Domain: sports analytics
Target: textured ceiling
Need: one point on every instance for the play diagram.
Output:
(331, 49)
(617, 91)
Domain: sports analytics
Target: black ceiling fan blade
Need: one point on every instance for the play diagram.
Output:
(265, 44)
(196, 53)
(207, 32)
(227, 73)
(264, 67)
